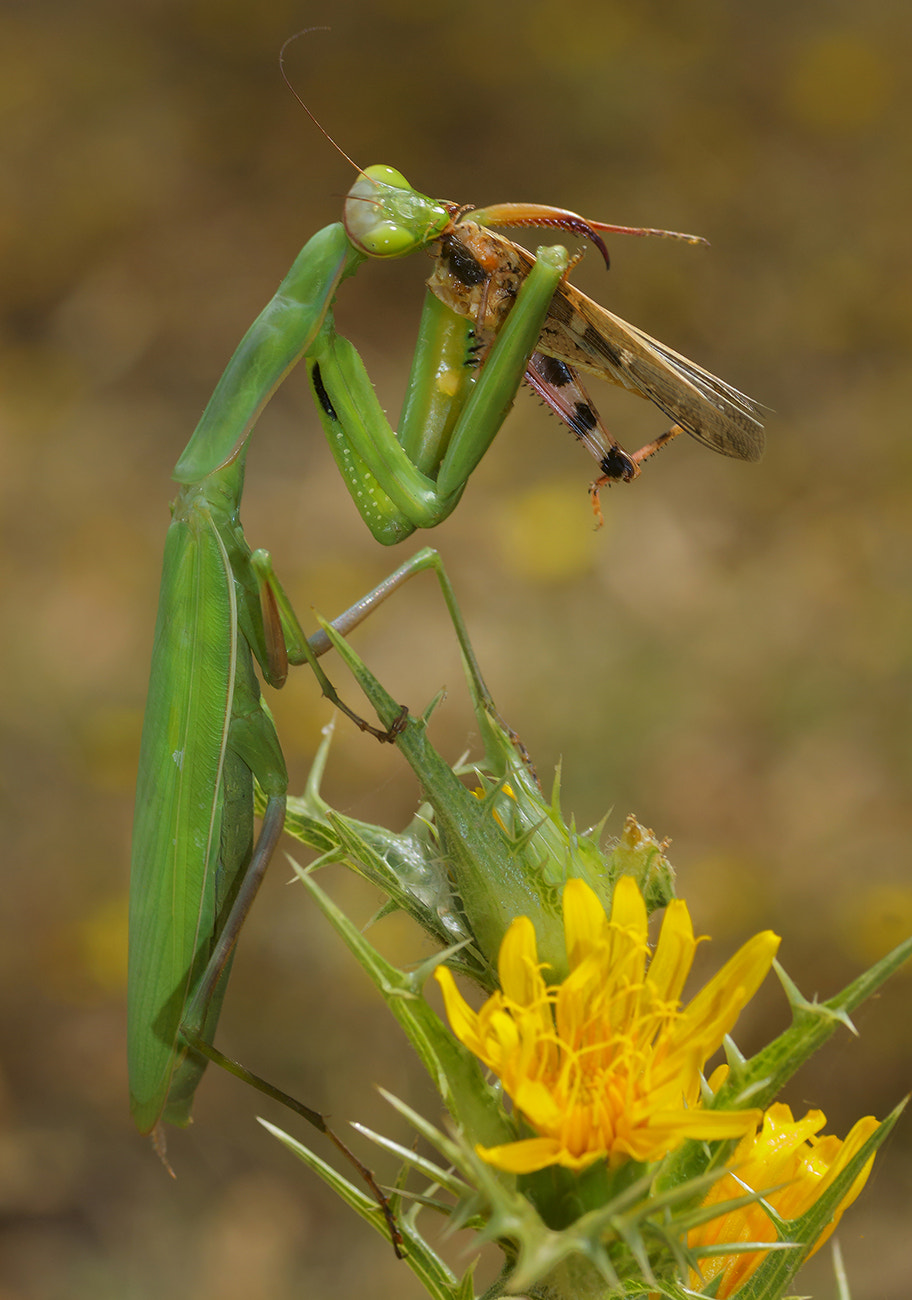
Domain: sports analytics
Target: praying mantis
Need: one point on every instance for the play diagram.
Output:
(495, 316)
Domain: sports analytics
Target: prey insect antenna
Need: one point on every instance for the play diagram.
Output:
(319, 125)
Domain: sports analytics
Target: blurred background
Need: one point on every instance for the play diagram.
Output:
(729, 657)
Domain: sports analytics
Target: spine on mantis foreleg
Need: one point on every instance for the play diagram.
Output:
(393, 497)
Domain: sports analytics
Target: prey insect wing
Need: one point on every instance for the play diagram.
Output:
(589, 337)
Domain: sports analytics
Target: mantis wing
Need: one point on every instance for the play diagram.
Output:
(178, 803)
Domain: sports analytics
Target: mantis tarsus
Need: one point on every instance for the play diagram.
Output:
(208, 735)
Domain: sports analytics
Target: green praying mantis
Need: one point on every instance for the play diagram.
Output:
(494, 317)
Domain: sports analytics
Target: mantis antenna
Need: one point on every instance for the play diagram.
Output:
(306, 31)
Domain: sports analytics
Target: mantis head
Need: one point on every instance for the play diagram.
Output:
(385, 217)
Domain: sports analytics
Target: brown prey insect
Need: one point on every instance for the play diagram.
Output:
(478, 273)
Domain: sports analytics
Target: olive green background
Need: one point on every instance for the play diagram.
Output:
(729, 657)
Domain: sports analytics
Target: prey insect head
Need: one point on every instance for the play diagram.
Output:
(385, 217)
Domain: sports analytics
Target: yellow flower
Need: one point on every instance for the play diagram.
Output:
(607, 1064)
(788, 1152)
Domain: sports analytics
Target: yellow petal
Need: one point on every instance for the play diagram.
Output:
(717, 1078)
(858, 1136)
(538, 1105)
(463, 1020)
(674, 953)
(522, 1157)
(520, 977)
(585, 922)
(628, 948)
(628, 909)
(500, 1038)
(583, 998)
(712, 1013)
(709, 1125)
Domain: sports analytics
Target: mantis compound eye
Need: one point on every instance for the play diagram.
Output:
(385, 217)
